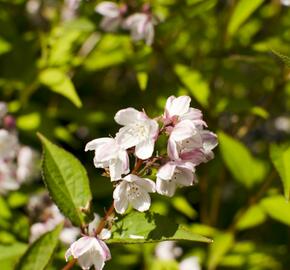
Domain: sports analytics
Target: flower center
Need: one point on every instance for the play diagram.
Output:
(139, 130)
(133, 191)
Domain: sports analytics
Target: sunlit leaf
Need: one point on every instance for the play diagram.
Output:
(5, 46)
(40, 252)
(246, 169)
(137, 227)
(222, 242)
(11, 251)
(280, 156)
(66, 180)
(29, 121)
(142, 78)
(277, 208)
(57, 81)
(194, 82)
(183, 206)
(243, 10)
(254, 216)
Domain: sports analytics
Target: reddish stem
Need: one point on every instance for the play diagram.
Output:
(70, 264)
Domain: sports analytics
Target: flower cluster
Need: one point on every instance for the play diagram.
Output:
(140, 24)
(188, 145)
(45, 216)
(18, 163)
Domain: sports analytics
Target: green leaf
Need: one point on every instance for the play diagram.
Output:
(194, 82)
(243, 10)
(222, 242)
(40, 252)
(183, 206)
(11, 251)
(254, 216)
(66, 180)
(57, 81)
(280, 156)
(5, 46)
(277, 208)
(284, 58)
(137, 227)
(244, 167)
(142, 78)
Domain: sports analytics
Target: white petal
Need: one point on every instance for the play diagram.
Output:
(144, 150)
(165, 187)
(209, 140)
(127, 116)
(92, 145)
(179, 106)
(124, 158)
(172, 150)
(146, 184)
(116, 170)
(149, 33)
(87, 259)
(68, 254)
(185, 178)
(131, 178)
(183, 130)
(81, 246)
(105, 252)
(120, 198)
(125, 138)
(104, 234)
(142, 202)
(109, 9)
(121, 205)
(166, 171)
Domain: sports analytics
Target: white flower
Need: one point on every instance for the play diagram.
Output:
(27, 164)
(173, 175)
(141, 26)
(178, 109)
(167, 250)
(112, 15)
(7, 177)
(69, 235)
(190, 263)
(133, 190)
(138, 130)
(196, 148)
(109, 154)
(8, 144)
(90, 251)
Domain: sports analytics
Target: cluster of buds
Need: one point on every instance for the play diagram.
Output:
(188, 145)
(18, 163)
(140, 24)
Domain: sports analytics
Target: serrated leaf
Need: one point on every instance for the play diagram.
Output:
(66, 180)
(194, 82)
(277, 208)
(280, 156)
(57, 81)
(284, 58)
(246, 169)
(147, 227)
(40, 252)
(243, 10)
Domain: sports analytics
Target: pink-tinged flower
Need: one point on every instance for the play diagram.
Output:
(141, 26)
(8, 180)
(196, 149)
(139, 130)
(178, 109)
(8, 144)
(27, 164)
(89, 251)
(112, 15)
(109, 154)
(133, 190)
(173, 175)
(190, 263)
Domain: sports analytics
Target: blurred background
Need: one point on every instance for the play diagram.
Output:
(63, 75)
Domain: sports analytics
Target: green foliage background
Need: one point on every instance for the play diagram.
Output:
(67, 79)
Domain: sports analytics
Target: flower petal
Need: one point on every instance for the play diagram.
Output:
(146, 184)
(125, 138)
(144, 150)
(127, 116)
(178, 106)
(166, 188)
(166, 171)
(107, 8)
(142, 202)
(92, 145)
